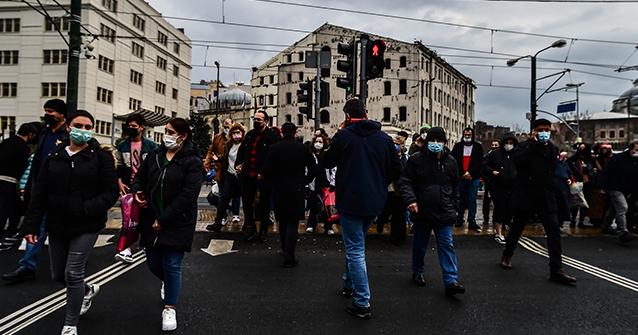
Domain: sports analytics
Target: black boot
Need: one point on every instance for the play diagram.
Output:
(19, 275)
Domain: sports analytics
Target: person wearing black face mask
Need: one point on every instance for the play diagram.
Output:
(249, 166)
(50, 138)
(130, 154)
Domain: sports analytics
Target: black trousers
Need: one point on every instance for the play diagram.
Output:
(395, 211)
(10, 208)
(249, 188)
(552, 230)
(230, 189)
(288, 231)
(487, 199)
(502, 210)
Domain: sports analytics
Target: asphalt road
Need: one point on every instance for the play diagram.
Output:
(248, 292)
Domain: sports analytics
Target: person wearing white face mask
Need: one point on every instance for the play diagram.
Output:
(169, 182)
(469, 155)
(535, 193)
(500, 173)
(315, 199)
(230, 189)
(429, 188)
(75, 188)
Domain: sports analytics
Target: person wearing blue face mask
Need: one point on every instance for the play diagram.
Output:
(429, 188)
(75, 188)
(535, 192)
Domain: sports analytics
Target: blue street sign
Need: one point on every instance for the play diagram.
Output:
(568, 107)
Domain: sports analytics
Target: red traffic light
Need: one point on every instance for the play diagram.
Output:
(377, 48)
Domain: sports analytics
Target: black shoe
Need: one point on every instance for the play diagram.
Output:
(609, 231)
(360, 312)
(506, 262)
(346, 292)
(20, 274)
(291, 264)
(474, 226)
(454, 289)
(627, 237)
(561, 278)
(215, 227)
(418, 278)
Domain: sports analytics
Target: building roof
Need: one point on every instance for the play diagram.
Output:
(199, 87)
(235, 96)
(607, 116)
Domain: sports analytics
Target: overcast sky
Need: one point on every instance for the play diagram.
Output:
(604, 21)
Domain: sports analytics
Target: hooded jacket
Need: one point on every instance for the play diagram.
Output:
(432, 183)
(178, 184)
(124, 169)
(366, 164)
(534, 186)
(74, 193)
(500, 160)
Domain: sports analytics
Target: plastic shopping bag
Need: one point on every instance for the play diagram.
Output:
(329, 202)
(130, 220)
(213, 195)
(577, 195)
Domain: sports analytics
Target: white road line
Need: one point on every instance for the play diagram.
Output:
(60, 295)
(593, 270)
(62, 303)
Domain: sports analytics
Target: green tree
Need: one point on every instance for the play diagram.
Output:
(201, 133)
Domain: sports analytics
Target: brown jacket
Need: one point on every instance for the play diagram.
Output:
(217, 148)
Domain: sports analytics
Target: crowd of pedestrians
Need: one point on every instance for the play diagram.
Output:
(359, 178)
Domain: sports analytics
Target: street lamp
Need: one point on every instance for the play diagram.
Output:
(512, 62)
(217, 102)
(568, 86)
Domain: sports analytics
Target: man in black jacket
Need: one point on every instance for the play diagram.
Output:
(14, 155)
(51, 137)
(620, 182)
(286, 166)
(469, 155)
(249, 165)
(535, 193)
(429, 187)
(366, 164)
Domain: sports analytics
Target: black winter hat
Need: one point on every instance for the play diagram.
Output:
(436, 133)
(57, 105)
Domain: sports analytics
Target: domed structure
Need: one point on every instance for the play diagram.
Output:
(234, 97)
(629, 96)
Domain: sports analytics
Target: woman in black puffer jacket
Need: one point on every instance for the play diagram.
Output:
(169, 182)
(76, 187)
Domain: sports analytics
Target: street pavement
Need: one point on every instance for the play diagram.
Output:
(248, 292)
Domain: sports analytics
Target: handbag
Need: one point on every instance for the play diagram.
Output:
(130, 220)
(330, 202)
(213, 195)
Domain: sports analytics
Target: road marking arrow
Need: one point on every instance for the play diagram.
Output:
(102, 240)
(219, 247)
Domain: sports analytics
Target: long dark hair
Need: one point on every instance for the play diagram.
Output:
(182, 127)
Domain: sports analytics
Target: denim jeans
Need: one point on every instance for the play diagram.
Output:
(68, 266)
(444, 248)
(467, 193)
(618, 203)
(353, 232)
(166, 264)
(30, 258)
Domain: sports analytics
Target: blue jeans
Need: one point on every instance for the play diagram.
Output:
(353, 232)
(166, 264)
(467, 193)
(444, 247)
(30, 258)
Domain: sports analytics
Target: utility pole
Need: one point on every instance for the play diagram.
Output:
(318, 92)
(75, 44)
(363, 81)
(532, 95)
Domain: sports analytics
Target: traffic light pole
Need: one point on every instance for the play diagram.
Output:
(354, 69)
(318, 93)
(75, 44)
(363, 86)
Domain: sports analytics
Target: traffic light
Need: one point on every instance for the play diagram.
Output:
(325, 94)
(347, 66)
(304, 95)
(375, 63)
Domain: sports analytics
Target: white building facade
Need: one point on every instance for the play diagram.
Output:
(142, 63)
(417, 88)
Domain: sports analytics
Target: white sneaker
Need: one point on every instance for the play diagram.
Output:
(310, 230)
(169, 320)
(69, 330)
(162, 291)
(331, 232)
(124, 256)
(236, 218)
(88, 298)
